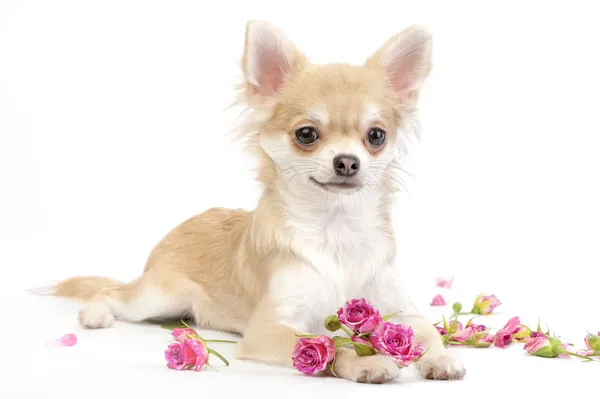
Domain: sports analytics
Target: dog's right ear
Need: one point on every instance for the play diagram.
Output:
(269, 58)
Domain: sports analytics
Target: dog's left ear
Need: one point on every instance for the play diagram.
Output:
(406, 59)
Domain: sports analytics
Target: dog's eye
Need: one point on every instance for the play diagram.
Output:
(306, 136)
(376, 137)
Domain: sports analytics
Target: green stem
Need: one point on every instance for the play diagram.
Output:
(217, 354)
(457, 343)
(581, 356)
(210, 365)
(220, 340)
(346, 330)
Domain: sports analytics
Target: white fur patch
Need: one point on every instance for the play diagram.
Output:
(149, 303)
(318, 115)
(345, 245)
(371, 115)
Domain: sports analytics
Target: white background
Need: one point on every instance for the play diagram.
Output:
(113, 130)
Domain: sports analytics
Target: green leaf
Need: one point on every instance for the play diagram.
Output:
(340, 342)
(171, 325)
(470, 321)
(217, 354)
(306, 336)
(331, 368)
(453, 326)
(363, 350)
(388, 316)
(446, 327)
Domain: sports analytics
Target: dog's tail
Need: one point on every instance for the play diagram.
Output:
(80, 288)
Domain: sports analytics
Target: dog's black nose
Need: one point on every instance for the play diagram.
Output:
(346, 165)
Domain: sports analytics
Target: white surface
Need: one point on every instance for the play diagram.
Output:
(112, 131)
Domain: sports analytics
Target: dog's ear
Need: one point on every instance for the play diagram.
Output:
(406, 59)
(269, 58)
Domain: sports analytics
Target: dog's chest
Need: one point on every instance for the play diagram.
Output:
(345, 252)
(340, 243)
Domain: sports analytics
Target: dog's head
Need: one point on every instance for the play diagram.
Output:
(331, 128)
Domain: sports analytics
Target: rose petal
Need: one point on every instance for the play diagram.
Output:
(532, 345)
(503, 338)
(438, 300)
(444, 282)
(513, 325)
(65, 340)
(181, 334)
(463, 335)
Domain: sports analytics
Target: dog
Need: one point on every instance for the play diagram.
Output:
(328, 141)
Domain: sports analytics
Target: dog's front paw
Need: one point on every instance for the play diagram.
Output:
(376, 369)
(441, 366)
(96, 315)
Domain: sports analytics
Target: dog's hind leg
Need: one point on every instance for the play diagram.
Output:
(151, 296)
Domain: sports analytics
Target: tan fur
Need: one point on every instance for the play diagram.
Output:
(84, 288)
(217, 265)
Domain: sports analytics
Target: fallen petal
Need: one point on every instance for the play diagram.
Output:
(438, 300)
(444, 282)
(65, 340)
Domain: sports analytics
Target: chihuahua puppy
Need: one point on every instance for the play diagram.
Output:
(328, 140)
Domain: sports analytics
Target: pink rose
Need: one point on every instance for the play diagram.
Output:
(457, 333)
(444, 282)
(539, 346)
(189, 353)
(359, 315)
(463, 335)
(505, 335)
(181, 334)
(537, 334)
(485, 304)
(396, 340)
(546, 347)
(438, 300)
(312, 355)
(503, 338)
(441, 330)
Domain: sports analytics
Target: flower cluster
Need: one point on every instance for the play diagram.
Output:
(189, 351)
(367, 332)
(537, 343)
(475, 335)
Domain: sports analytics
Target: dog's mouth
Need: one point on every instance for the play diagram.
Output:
(336, 185)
